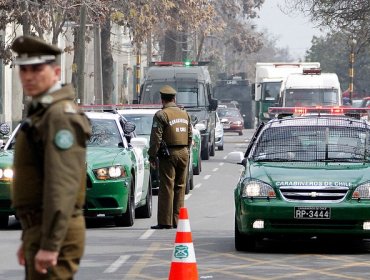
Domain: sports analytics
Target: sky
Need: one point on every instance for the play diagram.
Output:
(292, 31)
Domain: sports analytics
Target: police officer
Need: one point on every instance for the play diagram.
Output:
(172, 126)
(49, 166)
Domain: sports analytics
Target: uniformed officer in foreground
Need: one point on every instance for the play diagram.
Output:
(172, 126)
(49, 166)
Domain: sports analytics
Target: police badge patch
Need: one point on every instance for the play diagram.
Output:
(64, 139)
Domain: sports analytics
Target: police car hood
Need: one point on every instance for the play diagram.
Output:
(6, 158)
(310, 173)
(103, 156)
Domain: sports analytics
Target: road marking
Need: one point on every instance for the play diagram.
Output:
(215, 169)
(147, 234)
(197, 185)
(225, 157)
(117, 264)
(142, 263)
(221, 163)
(206, 177)
(187, 196)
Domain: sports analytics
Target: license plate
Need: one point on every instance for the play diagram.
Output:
(226, 125)
(311, 213)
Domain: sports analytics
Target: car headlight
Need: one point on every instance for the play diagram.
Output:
(6, 174)
(254, 188)
(362, 192)
(111, 172)
(266, 115)
(237, 122)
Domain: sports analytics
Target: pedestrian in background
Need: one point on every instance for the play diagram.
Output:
(171, 130)
(49, 166)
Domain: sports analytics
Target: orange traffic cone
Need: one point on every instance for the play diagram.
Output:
(184, 265)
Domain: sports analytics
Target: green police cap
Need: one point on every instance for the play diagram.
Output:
(167, 90)
(33, 50)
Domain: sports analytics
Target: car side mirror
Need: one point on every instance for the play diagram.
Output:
(236, 158)
(200, 126)
(194, 119)
(213, 103)
(129, 127)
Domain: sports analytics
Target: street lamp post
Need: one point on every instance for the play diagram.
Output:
(351, 70)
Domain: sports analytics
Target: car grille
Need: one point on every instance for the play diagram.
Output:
(313, 193)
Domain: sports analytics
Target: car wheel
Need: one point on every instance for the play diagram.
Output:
(191, 182)
(221, 148)
(212, 152)
(127, 218)
(240, 132)
(4, 221)
(205, 153)
(145, 211)
(196, 169)
(244, 242)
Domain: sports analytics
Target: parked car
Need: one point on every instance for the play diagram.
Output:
(306, 176)
(118, 182)
(143, 119)
(231, 119)
(219, 134)
(118, 173)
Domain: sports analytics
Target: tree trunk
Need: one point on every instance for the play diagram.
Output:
(170, 46)
(107, 62)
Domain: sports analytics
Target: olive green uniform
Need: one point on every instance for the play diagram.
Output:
(172, 125)
(49, 181)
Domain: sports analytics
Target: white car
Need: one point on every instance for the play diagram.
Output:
(143, 119)
(219, 134)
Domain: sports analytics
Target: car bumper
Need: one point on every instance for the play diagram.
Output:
(234, 128)
(106, 197)
(5, 199)
(347, 218)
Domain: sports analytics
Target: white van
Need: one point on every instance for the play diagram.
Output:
(311, 88)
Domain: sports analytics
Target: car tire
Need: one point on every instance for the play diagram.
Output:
(212, 152)
(4, 221)
(197, 169)
(187, 185)
(244, 242)
(191, 182)
(127, 218)
(145, 211)
(221, 148)
(240, 133)
(205, 153)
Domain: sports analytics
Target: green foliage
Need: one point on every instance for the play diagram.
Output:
(333, 52)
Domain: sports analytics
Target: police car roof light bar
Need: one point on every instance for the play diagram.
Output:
(312, 71)
(297, 111)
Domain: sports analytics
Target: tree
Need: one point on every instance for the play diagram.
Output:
(333, 53)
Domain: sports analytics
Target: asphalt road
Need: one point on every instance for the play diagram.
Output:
(141, 253)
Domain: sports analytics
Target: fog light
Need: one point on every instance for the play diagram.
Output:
(366, 225)
(258, 224)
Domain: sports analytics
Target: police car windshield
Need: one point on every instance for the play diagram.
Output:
(143, 123)
(313, 143)
(189, 93)
(105, 133)
(231, 92)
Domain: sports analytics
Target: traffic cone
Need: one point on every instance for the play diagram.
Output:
(183, 265)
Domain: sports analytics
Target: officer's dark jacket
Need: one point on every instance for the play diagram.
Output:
(49, 174)
(172, 125)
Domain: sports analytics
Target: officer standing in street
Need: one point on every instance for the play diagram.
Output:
(170, 140)
(49, 166)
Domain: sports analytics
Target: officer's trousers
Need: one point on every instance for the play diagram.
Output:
(69, 256)
(172, 173)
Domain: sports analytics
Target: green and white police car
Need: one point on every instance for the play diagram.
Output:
(118, 179)
(306, 176)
